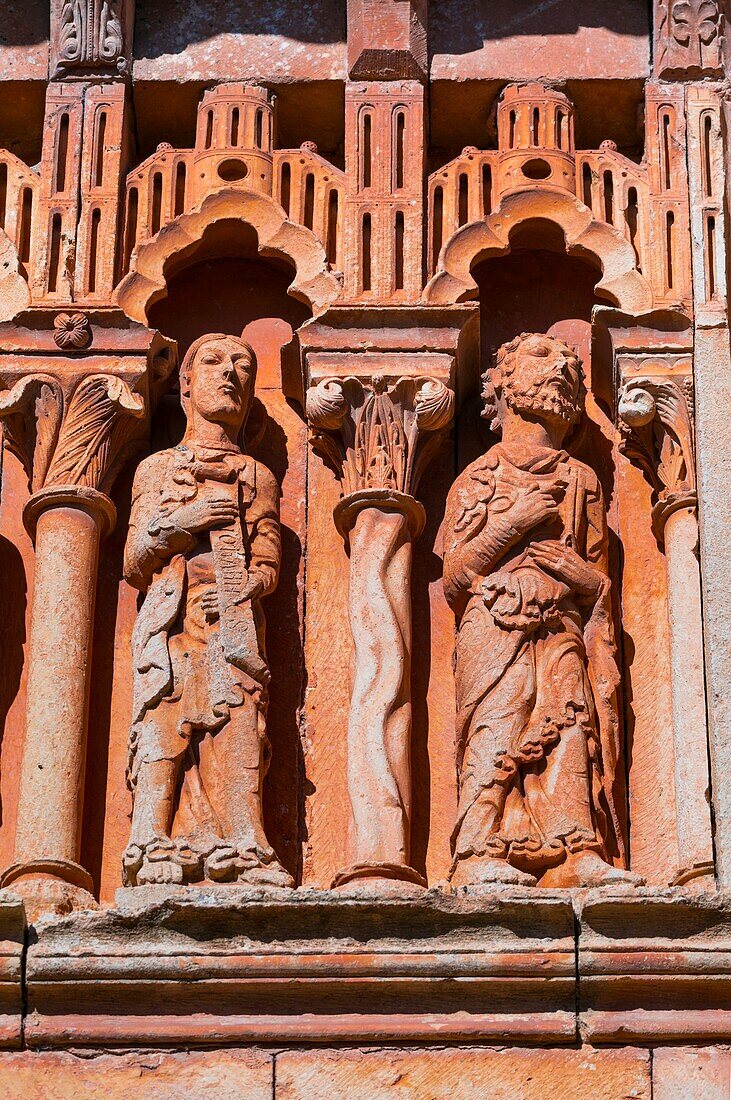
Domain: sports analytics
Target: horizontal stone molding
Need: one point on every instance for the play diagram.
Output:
(231, 964)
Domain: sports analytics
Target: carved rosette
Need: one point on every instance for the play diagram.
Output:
(379, 438)
(655, 420)
(688, 37)
(71, 440)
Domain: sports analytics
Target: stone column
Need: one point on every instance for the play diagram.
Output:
(67, 522)
(379, 436)
(72, 424)
(655, 415)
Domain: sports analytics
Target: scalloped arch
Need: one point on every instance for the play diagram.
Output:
(14, 289)
(621, 283)
(146, 281)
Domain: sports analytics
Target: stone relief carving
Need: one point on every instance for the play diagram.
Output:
(525, 571)
(688, 35)
(78, 438)
(657, 433)
(90, 33)
(204, 548)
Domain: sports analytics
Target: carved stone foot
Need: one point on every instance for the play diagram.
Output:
(223, 864)
(163, 871)
(162, 862)
(229, 864)
(588, 869)
(489, 872)
(271, 875)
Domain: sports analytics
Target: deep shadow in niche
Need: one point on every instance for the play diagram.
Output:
(542, 289)
(13, 597)
(169, 26)
(463, 26)
(245, 295)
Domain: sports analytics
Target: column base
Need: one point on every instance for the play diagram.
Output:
(380, 879)
(701, 872)
(53, 886)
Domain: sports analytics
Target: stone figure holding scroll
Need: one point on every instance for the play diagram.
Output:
(525, 571)
(203, 547)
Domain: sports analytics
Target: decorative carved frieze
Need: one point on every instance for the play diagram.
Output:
(535, 170)
(91, 36)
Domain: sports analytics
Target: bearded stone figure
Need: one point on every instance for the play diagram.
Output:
(525, 571)
(204, 548)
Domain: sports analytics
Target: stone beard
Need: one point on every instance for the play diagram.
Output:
(525, 571)
(204, 547)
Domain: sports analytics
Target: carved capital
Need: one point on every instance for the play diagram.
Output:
(378, 436)
(656, 424)
(70, 436)
(688, 37)
(91, 36)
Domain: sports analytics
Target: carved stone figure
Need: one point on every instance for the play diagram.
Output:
(204, 547)
(525, 570)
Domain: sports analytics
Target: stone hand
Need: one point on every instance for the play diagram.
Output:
(254, 587)
(564, 562)
(206, 512)
(537, 505)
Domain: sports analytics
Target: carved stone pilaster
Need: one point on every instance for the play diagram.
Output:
(656, 421)
(379, 437)
(688, 38)
(91, 37)
(75, 391)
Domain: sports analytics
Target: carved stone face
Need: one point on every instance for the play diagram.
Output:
(220, 380)
(543, 376)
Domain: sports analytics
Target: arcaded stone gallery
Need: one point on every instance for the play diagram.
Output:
(365, 549)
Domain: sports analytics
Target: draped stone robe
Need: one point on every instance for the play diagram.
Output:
(535, 666)
(184, 686)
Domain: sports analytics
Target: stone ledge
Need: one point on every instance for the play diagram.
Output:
(655, 966)
(12, 937)
(236, 965)
(202, 966)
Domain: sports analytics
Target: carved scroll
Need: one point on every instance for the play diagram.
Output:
(90, 35)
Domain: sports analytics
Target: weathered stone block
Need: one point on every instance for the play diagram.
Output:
(194, 965)
(470, 1074)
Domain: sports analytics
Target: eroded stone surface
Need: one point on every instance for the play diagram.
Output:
(502, 1074)
(164, 1076)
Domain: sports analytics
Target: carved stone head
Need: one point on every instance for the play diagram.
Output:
(538, 375)
(217, 379)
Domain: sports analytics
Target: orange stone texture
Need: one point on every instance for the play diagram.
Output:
(365, 572)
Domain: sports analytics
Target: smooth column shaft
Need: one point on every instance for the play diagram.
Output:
(695, 846)
(52, 777)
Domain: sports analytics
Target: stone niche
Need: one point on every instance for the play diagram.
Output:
(363, 549)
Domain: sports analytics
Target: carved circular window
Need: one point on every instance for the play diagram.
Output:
(536, 169)
(232, 170)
